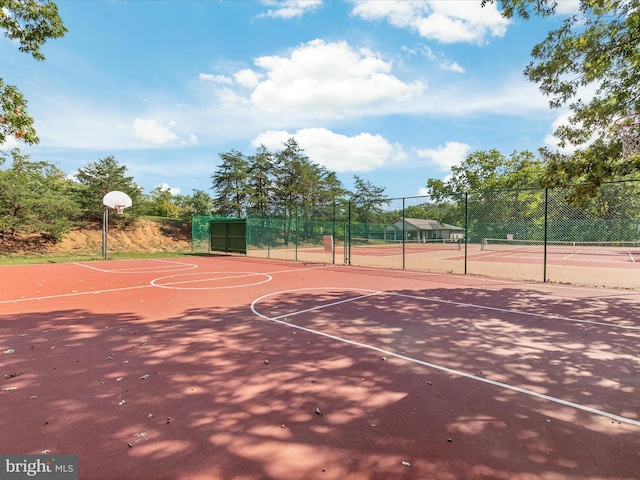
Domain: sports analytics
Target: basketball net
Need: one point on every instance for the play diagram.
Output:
(629, 132)
(119, 208)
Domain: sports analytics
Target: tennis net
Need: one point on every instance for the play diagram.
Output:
(561, 247)
(411, 244)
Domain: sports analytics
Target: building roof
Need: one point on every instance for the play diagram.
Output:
(425, 224)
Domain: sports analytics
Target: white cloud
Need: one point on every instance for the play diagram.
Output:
(319, 82)
(449, 21)
(422, 50)
(511, 95)
(330, 79)
(567, 7)
(229, 97)
(340, 153)
(553, 142)
(452, 67)
(172, 190)
(150, 131)
(247, 78)
(220, 79)
(9, 143)
(289, 8)
(423, 192)
(447, 156)
(563, 118)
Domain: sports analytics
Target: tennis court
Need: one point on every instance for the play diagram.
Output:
(242, 368)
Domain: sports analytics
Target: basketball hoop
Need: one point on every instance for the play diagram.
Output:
(117, 201)
(629, 132)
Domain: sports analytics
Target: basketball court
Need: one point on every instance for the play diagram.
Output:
(234, 367)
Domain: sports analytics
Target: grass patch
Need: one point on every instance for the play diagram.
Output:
(166, 221)
(35, 259)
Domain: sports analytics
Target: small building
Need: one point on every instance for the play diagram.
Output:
(423, 230)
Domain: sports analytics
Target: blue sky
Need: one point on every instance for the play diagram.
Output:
(395, 92)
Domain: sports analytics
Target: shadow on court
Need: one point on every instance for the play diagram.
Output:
(219, 393)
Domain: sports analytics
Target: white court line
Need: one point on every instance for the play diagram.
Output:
(190, 266)
(211, 279)
(462, 304)
(492, 281)
(74, 294)
(434, 366)
(517, 312)
(170, 262)
(298, 270)
(234, 275)
(94, 292)
(90, 267)
(581, 258)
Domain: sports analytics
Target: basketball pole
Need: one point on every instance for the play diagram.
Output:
(117, 201)
(105, 233)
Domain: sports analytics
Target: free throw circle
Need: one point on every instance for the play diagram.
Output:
(211, 280)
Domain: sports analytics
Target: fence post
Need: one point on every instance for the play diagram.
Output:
(247, 234)
(466, 228)
(296, 213)
(347, 246)
(333, 250)
(546, 218)
(268, 236)
(404, 237)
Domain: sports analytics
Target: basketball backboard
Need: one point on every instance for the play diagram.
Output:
(117, 200)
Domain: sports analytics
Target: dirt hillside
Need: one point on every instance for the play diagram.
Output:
(144, 236)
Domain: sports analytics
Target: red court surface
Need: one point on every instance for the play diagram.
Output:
(631, 262)
(238, 368)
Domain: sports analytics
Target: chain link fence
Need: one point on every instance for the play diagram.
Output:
(525, 234)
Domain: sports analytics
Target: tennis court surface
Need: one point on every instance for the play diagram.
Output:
(242, 368)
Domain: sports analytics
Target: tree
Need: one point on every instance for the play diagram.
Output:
(31, 23)
(230, 184)
(34, 198)
(367, 200)
(488, 170)
(499, 191)
(598, 48)
(334, 190)
(162, 203)
(199, 203)
(99, 178)
(260, 181)
(292, 178)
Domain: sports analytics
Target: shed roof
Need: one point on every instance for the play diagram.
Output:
(426, 224)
